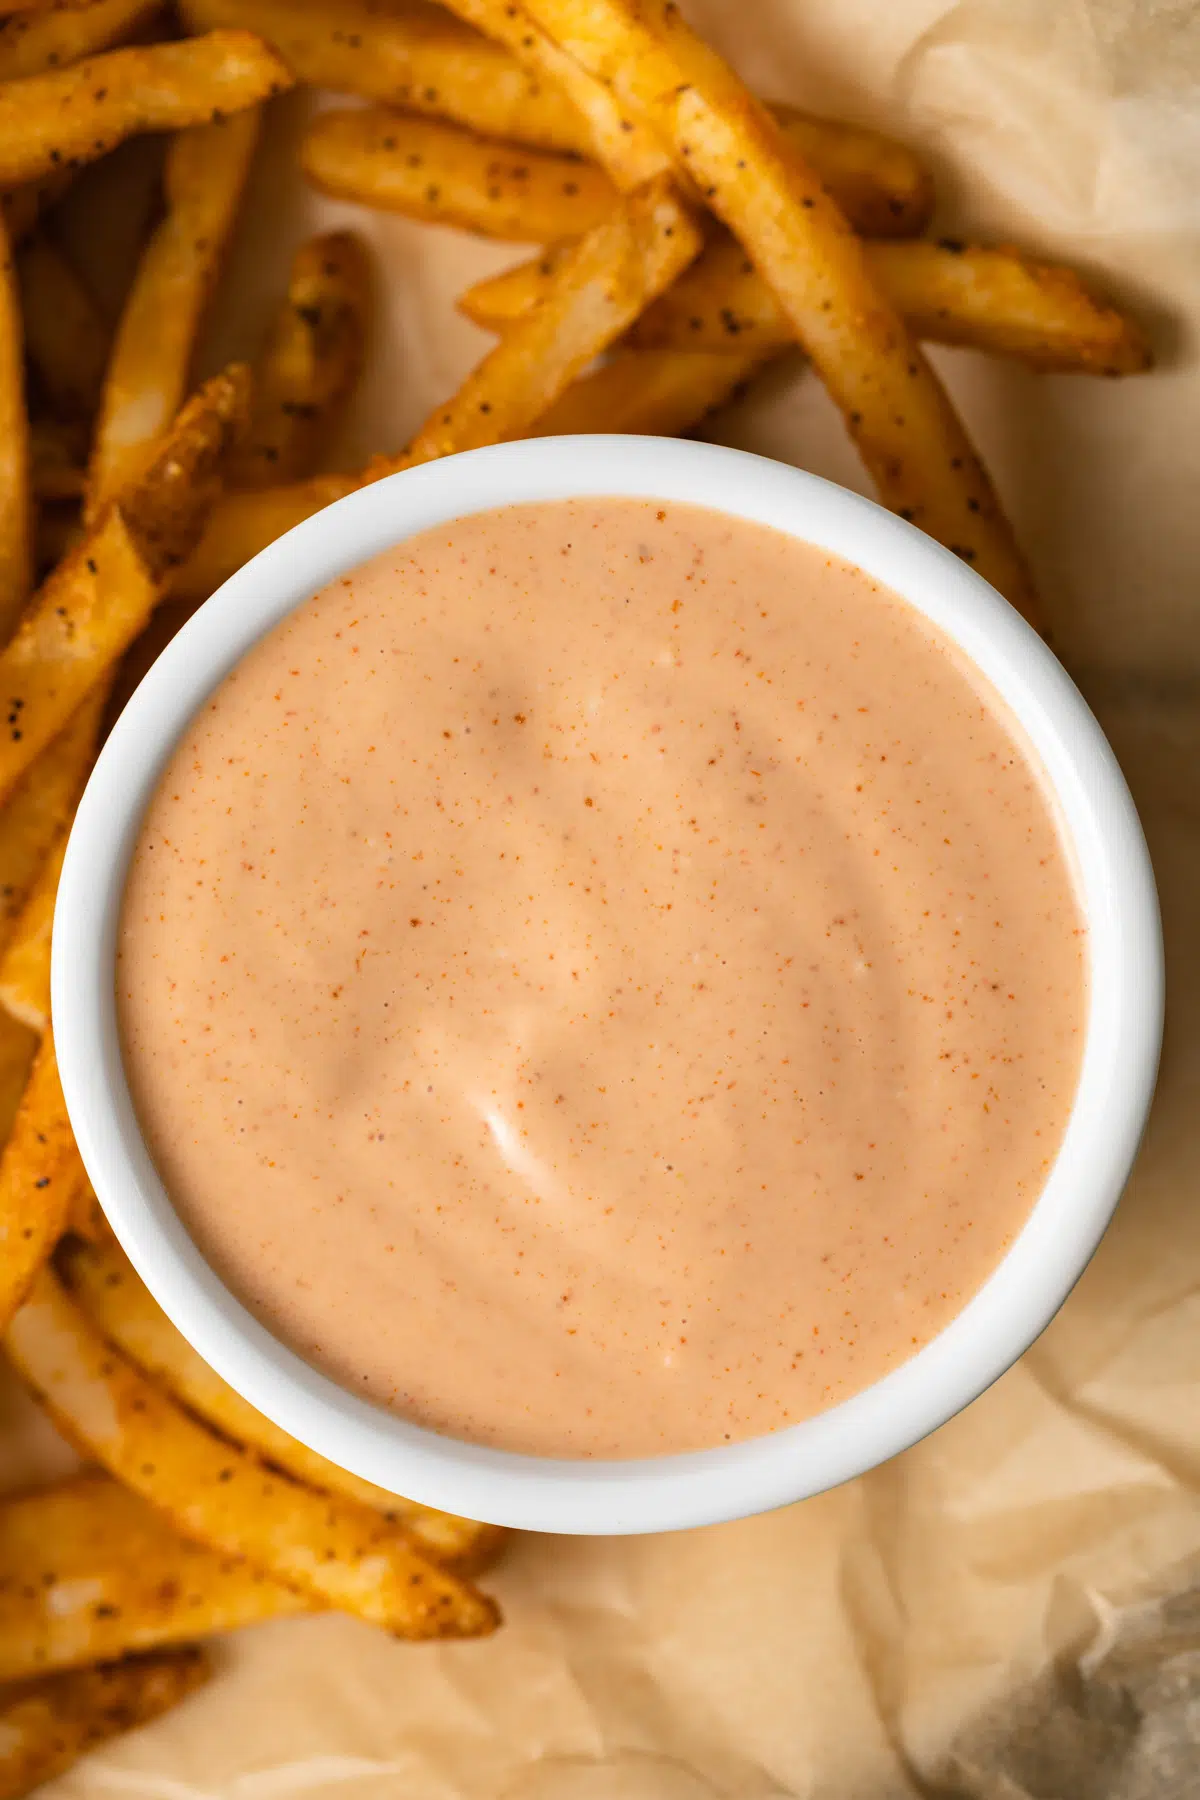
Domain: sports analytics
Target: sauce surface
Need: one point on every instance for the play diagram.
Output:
(602, 980)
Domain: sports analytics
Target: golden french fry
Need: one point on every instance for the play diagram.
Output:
(757, 182)
(106, 1286)
(70, 117)
(42, 805)
(655, 393)
(203, 178)
(498, 301)
(16, 496)
(18, 1047)
(343, 1553)
(84, 1217)
(66, 335)
(39, 1171)
(92, 606)
(50, 1724)
(416, 57)
(25, 964)
(952, 293)
(450, 177)
(90, 1572)
(55, 37)
(311, 362)
(605, 281)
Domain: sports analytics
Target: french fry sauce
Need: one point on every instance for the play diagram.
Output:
(679, 236)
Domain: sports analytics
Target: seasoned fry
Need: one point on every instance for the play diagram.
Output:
(603, 284)
(106, 1286)
(55, 37)
(311, 362)
(89, 1572)
(49, 1725)
(25, 964)
(66, 335)
(18, 1047)
(657, 393)
(42, 805)
(758, 183)
(68, 118)
(92, 606)
(450, 177)
(39, 1171)
(203, 179)
(16, 498)
(416, 57)
(498, 301)
(423, 60)
(952, 293)
(342, 1553)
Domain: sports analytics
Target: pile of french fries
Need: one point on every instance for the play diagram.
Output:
(683, 236)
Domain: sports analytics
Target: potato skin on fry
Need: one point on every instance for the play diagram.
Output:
(90, 1572)
(450, 177)
(343, 1554)
(311, 362)
(61, 120)
(49, 1725)
(105, 1284)
(39, 1171)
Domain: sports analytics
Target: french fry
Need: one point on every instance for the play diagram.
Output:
(55, 37)
(39, 1171)
(66, 335)
(952, 293)
(603, 284)
(656, 393)
(92, 606)
(89, 1572)
(450, 177)
(105, 1284)
(16, 497)
(311, 362)
(203, 178)
(84, 1217)
(756, 181)
(25, 964)
(42, 805)
(72, 116)
(423, 60)
(49, 1725)
(18, 1047)
(342, 1553)
(498, 301)
(416, 57)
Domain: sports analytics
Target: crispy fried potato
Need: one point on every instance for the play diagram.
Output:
(450, 177)
(72, 116)
(16, 493)
(203, 179)
(656, 393)
(18, 1047)
(757, 182)
(39, 1171)
(55, 37)
(42, 805)
(25, 964)
(84, 1217)
(606, 280)
(92, 606)
(342, 1553)
(90, 1572)
(953, 293)
(66, 334)
(415, 56)
(311, 362)
(106, 1286)
(50, 1724)
(498, 301)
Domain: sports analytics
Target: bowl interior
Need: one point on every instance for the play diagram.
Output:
(1116, 1080)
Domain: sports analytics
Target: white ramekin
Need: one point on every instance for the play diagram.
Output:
(665, 1493)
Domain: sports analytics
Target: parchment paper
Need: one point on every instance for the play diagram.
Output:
(1011, 1609)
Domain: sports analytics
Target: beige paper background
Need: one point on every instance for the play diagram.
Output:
(917, 1631)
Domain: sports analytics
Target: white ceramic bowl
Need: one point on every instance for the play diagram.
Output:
(665, 1493)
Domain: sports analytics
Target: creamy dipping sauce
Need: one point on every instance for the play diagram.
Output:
(603, 980)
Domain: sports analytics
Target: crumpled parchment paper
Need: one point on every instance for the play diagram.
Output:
(1012, 1610)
